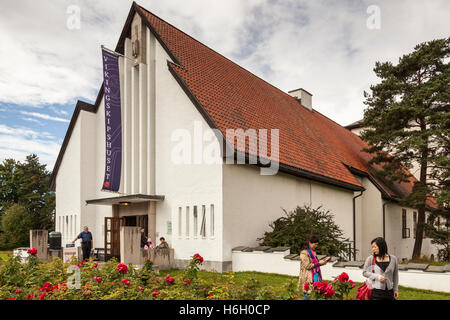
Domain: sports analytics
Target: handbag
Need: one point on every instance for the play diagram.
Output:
(365, 290)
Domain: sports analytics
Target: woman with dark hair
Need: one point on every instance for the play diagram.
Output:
(310, 264)
(382, 270)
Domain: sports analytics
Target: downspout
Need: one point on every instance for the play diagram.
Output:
(384, 220)
(354, 224)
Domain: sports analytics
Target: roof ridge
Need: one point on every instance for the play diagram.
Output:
(206, 46)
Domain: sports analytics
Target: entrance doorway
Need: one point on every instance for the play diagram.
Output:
(112, 232)
(137, 221)
(112, 237)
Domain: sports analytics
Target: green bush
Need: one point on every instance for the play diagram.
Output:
(293, 229)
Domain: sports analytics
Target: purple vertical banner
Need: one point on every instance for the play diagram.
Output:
(113, 121)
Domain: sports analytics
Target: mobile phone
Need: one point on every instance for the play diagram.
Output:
(326, 258)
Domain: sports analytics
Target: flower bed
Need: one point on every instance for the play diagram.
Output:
(87, 280)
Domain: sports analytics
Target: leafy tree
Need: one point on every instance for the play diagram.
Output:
(27, 184)
(408, 123)
(437, 229)
(293, 229)
(15, 224)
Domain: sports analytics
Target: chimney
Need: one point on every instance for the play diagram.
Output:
(303, 96)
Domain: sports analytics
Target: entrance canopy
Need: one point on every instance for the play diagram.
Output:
(125, 200)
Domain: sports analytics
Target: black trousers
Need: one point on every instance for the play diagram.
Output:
(378, 294)
(86, 248)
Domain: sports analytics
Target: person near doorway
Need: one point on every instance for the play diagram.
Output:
(384, 278)
(310, 264)
(143, 239)
(150, 244)
(87, 242)
(163, 244)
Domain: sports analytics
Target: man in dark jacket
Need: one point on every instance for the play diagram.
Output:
(87, 242)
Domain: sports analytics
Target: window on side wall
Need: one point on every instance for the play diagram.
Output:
(405, 230)
(187, 222)
(211, 220)
(180, 217)
(203, 227)
(414, 223)
(195, 221)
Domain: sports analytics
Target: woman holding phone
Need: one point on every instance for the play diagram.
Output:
(384, 278)
(310, 264)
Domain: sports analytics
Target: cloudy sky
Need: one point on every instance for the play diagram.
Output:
(48, 61)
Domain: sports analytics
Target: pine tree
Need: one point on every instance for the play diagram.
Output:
(408, 123)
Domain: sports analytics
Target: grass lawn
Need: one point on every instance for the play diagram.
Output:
(4, 254)
(277, 281)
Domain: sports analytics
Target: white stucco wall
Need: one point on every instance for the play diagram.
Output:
(403, 248)
(371, 217)
(251, 201)
(68, 186)
(183, 184)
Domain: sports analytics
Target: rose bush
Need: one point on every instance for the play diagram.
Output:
(55, 280)
(338, 290)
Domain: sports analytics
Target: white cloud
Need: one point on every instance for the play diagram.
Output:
(59, 111)
(32, 120)
(43, 116)
(322, 46)
(18, 142)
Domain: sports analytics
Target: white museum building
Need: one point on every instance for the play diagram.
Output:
(179, 102)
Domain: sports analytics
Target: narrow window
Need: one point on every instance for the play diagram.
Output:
(169, 228)
(414, 223)
(405, 230)
(195, 221)
(179, 221)
(211, 220)
(203, 227)
(187, 221)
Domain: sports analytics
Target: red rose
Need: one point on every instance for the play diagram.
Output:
(106, 184)
(32, 251)
(343, 277)
(169, 279)
(186, 281)
(42, 295)
(198, 257)
(12, 298)
(47, 287)
(353, 284)
(30, 297)
(122, 268)
(321, 286)
(306, 286)
(125, 281)
(18, 291)
(155, 293)
(329, 292)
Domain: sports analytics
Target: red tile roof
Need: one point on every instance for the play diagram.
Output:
(235, 98)
(230, 97)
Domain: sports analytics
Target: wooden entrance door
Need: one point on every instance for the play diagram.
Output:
(112, 237)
